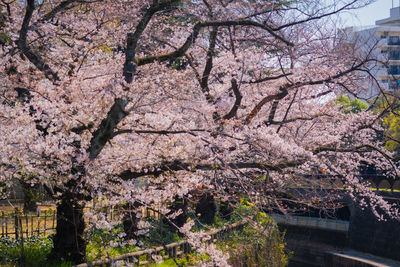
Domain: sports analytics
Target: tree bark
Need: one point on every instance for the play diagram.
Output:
(180, 220)
(207, 209)
(130, 221)
(69, 240)
(30, 196)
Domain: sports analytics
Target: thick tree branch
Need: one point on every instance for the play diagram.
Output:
(25, 49)
(357, 149)
(317, 95)
(264, 101)
(160, 132)
(209, 63)
(270, 78)
(284, 89)
(105, 132)
(297, 119)
(185, 166)
(195, 33)
(287, 111)
(236, 105)
(271, 116)
(59, 8)
(133, 38)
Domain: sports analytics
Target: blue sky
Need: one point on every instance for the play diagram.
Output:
(380, 9)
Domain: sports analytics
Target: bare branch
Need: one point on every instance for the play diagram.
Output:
(284, 89)
(195, 33)
(345, 7)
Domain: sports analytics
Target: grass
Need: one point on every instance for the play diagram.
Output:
(191, 259)
(33, 253)
(99, 241)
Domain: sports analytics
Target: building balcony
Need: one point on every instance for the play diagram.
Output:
(387, 46)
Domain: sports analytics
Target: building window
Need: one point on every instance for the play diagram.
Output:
(394, 84)
(394, 70)
(394, 40)
(394, 55)
(384, 81)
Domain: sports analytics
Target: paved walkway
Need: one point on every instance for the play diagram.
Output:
(364, 259)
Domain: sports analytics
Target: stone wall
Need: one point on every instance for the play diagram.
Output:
(310, 244)
(368, 234)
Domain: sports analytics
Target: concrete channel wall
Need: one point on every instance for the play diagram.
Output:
(325, 242)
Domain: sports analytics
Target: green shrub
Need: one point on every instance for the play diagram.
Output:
(259, 244)
(100, 243)
(35, 252)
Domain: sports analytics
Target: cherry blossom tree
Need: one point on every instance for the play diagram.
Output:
(144, 101)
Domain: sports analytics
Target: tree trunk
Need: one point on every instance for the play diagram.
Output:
(30, 196)
(69, 240)
(130, 220)
(207, 209)
(225, 210)
(180, 220)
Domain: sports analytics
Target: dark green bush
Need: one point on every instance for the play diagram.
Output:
(259, 243)
(32, 252)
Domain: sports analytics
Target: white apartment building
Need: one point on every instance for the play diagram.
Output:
(389, 31)
(381, 41)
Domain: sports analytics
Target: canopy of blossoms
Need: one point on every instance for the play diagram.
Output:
(143, 101)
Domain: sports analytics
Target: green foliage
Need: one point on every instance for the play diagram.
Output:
(187, 260)
(392, 126)
(390, 121)
(351, 105)
(160, 234)
(35, 252)
(107, 243)
(258, 244)
(4, 38)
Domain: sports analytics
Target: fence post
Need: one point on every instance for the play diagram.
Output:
(38, 223)
(174, 252)
(54, 218)
(27, 225)
(3, 219)
(32, 224)
(16, 224)
(45, 221)
(22, 240)
(7, 225)
(148, 259)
